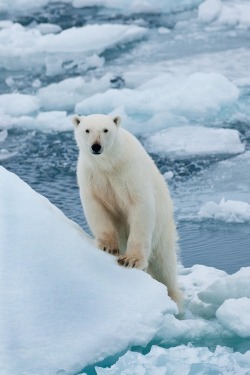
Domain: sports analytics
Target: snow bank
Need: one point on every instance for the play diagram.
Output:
(64, 304)
(228, 211)
(191, 141)
(228, 14)
(234, 315)
(185, 360)
(20, 46)
(198, 94)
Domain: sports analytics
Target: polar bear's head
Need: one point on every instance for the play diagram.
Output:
(95, 134)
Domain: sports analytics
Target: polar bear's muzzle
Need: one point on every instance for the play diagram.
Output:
(96, 149)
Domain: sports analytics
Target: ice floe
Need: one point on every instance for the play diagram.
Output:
(227, 210)
(184, 360)
(194, 95)
(190, 141)
(229, 14)
(19, 104)
(234, 314)
(20, 46)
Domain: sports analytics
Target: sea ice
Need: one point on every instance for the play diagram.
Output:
(190, 141)
(234, 315)
(66, 93)
(184, 360)
(227, 287)
(19, 104)
(20, 46)
(230, 13)
(199, 94)
(227, 210)
(64, 303)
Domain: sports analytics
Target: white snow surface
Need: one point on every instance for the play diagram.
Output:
(64, 303)
(192, 140)
(227, 210)
(184, 360)
(18, 104)
(68, 304)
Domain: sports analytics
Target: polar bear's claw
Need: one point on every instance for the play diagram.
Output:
(131, 262)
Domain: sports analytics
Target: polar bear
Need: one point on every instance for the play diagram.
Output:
(125, 199)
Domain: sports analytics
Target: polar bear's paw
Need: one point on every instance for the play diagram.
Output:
(133, 261)
(108, 245)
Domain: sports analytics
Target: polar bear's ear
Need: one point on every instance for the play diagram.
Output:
(76, 120)
(117, 120)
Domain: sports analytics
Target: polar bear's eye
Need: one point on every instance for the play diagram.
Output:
(87, 130)
(105, 130)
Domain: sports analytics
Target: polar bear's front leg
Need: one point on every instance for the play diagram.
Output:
(141, 222)
(101, 225)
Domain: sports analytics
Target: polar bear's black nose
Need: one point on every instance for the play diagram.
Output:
(96, 148)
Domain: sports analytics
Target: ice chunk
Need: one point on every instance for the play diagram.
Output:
(190, 140)
(65, 94)
(234, 315)
(19, 104)
(3, 135)
(141, 6)
(225, 13)
(194, 281)
(195, 95)
(28, 47)
(230, 286)
(64, 303)
(184, 360)
(209, 10)
(229, 211)
(48, 28)
(21, 5)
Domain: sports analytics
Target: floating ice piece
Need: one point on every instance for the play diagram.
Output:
(48, 28)
(228, 211)
(3, 135)
(64, 303)
(197, 94)
(24, 47)
(234, 315)
(21, 5)
(65, 94)
(230, 286)
(209, 10)
(226, 14)
(191, 140)
(140, 6)
(19, 104)
(185, 360)
(195, 280)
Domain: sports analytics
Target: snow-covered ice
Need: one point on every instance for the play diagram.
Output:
(228, 211)
(184, 360)
(20, 46)
(18, 104)
(234, 314)
(190, 141)
(196, 94)
(65, 94)
(64, 304)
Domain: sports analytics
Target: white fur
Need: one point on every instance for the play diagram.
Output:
(125, 199)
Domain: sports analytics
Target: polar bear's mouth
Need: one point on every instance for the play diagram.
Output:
(96, 149)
